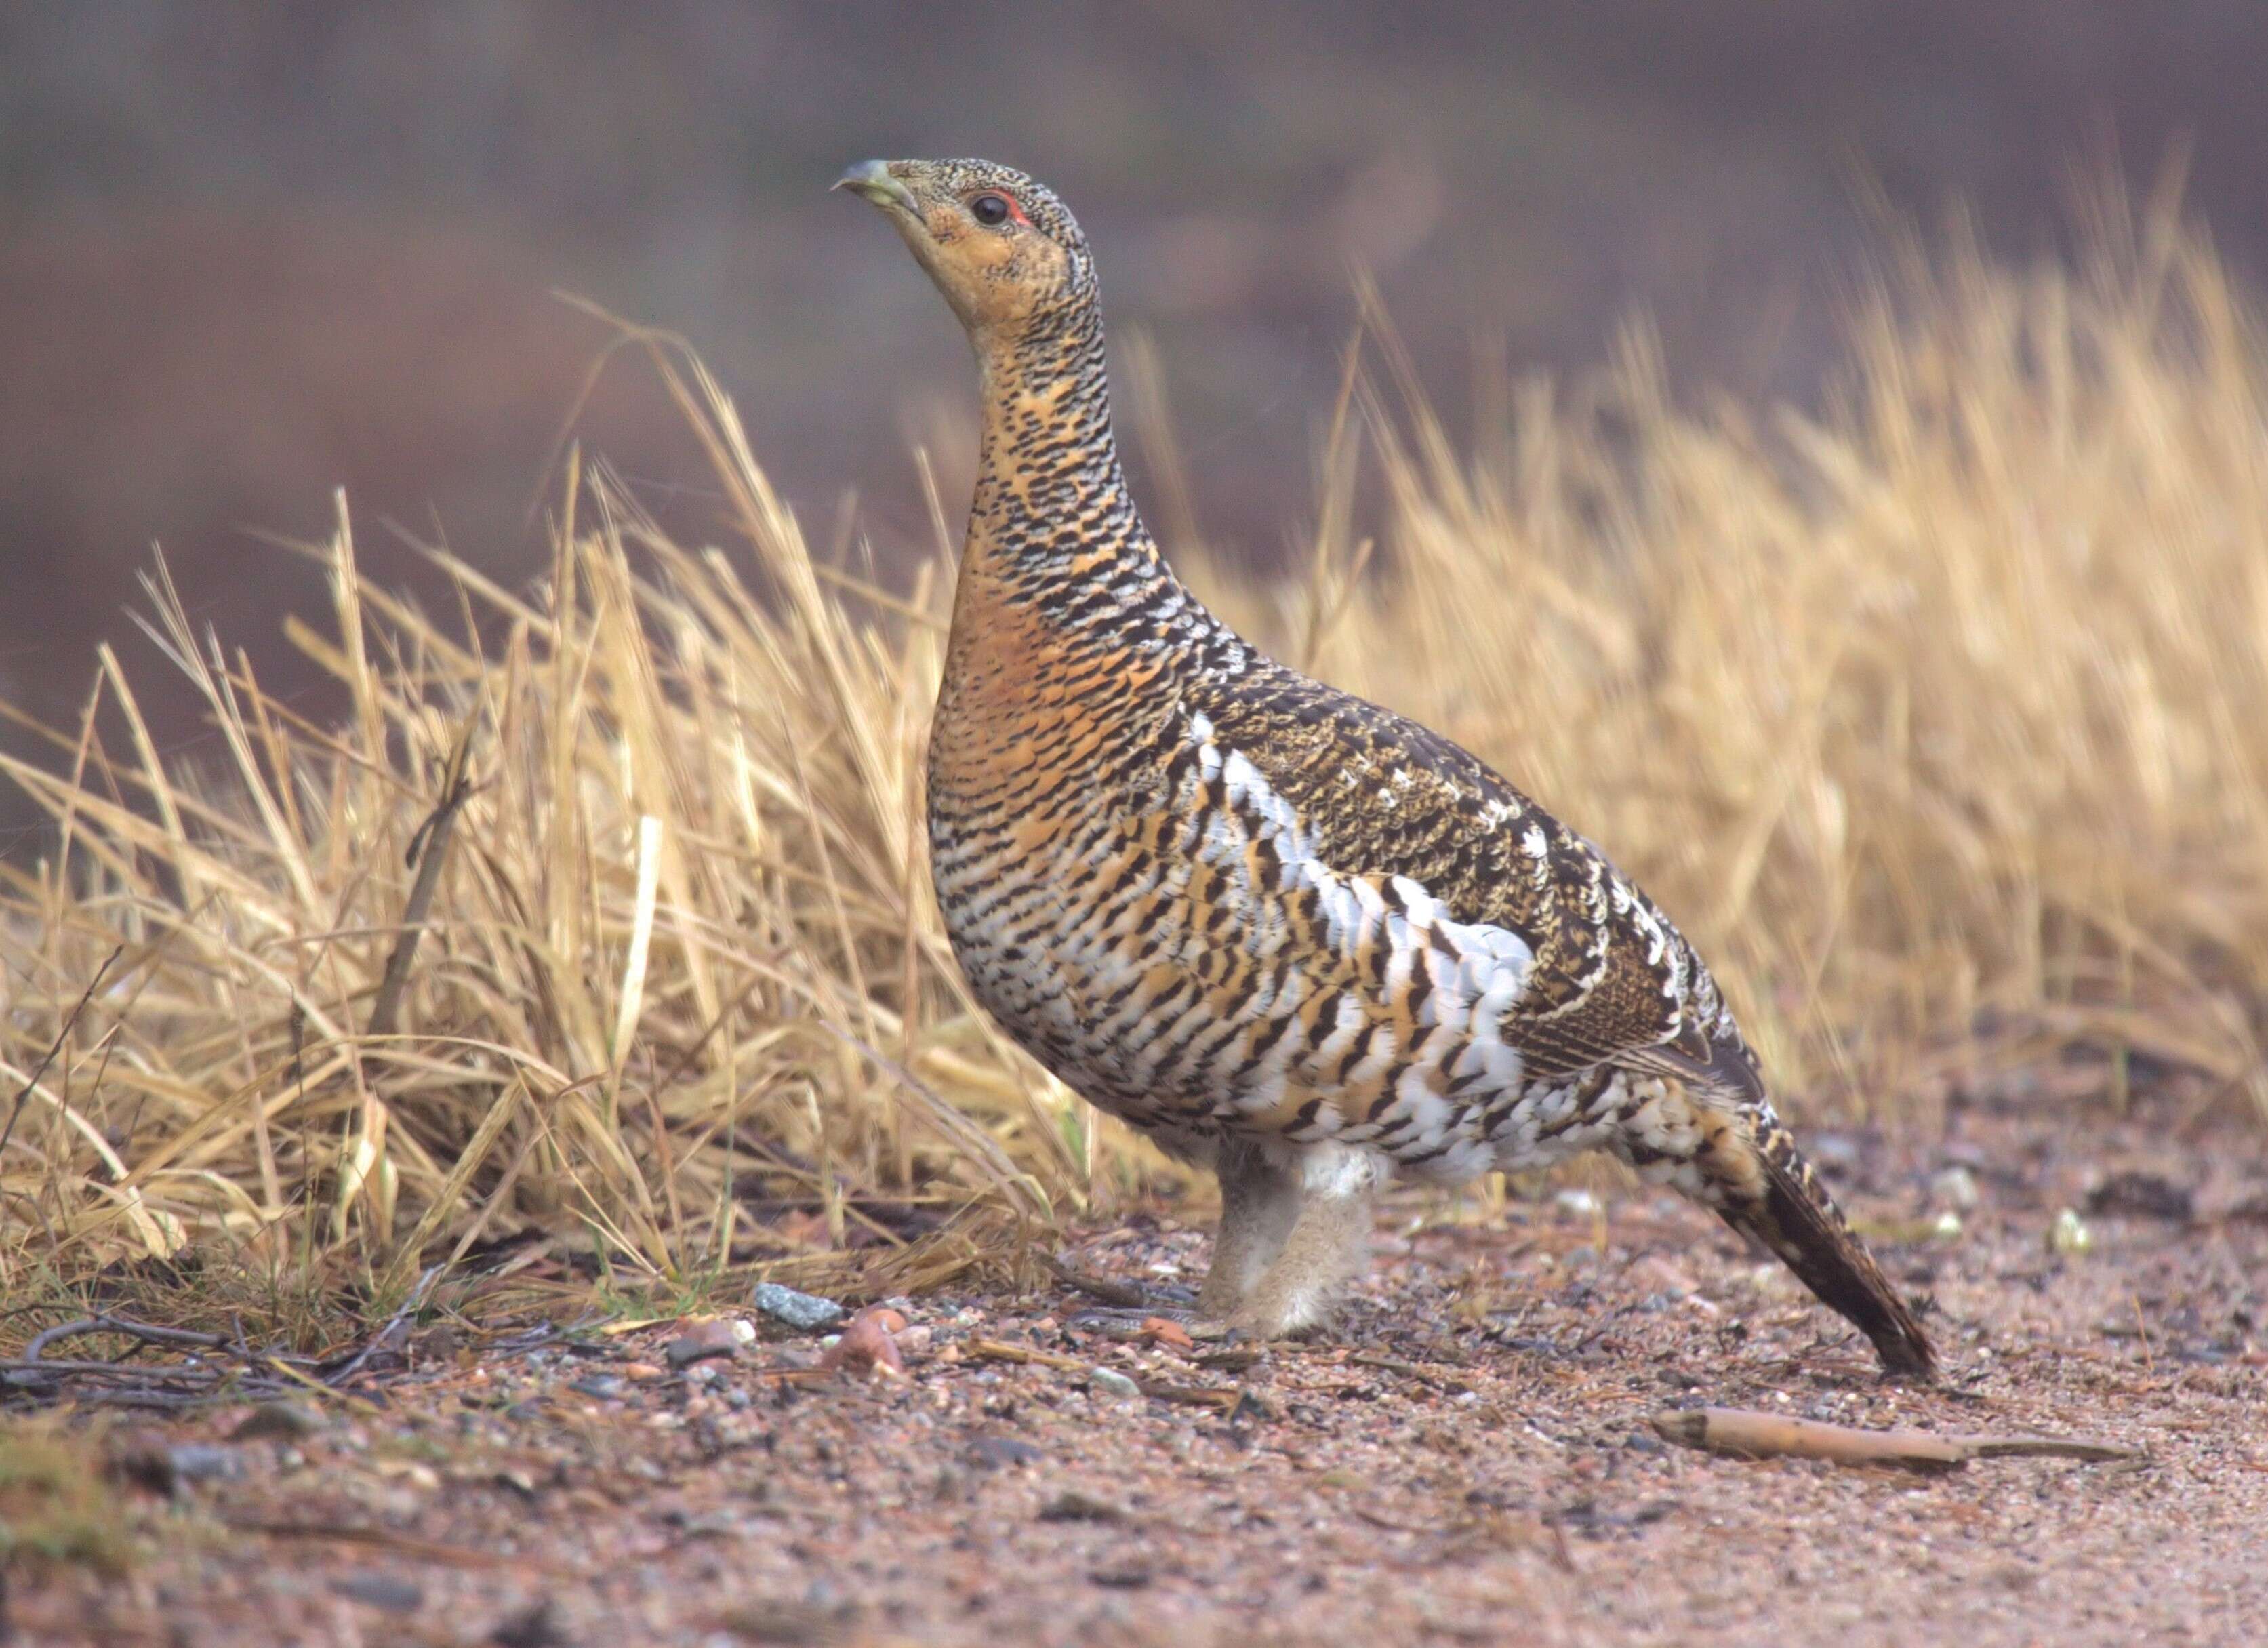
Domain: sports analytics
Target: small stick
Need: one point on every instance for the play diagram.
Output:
(1408, 1370)
(205, 1376)
(370, 1346)
(1741, 1433)
(1388, 1523)
(1125, 1295)
(125, 1327)
(1192, 1395)
(994, 1351)
(367, 1409)
(2043, 1447)
(448, 1556)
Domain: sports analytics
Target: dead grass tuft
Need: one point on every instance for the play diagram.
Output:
(603, 911)
(55, 1504)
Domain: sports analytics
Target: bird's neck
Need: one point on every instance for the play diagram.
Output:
(1052, 522)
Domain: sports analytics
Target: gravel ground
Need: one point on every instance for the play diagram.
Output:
(1469, 1459)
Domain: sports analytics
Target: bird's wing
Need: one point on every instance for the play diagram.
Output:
(1377, 796)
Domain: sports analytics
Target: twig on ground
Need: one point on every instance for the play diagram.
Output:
(1125, 1295)
(126, 1328)
(362, 1405)
(450, 1556)
(1221, 1400)
(214, 1368)
(994, 1351)
(1390, 1524)
(386, 1337)
(1408, 1370)
(2045, 1447)
(1739, 1433)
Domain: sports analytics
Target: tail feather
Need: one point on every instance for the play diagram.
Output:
(1709, 1129)
(1789, 1210)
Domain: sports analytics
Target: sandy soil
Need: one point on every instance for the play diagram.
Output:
(1469, 1460)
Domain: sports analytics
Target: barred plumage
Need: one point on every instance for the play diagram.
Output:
(1285, 930)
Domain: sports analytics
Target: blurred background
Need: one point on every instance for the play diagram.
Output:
(252, 253)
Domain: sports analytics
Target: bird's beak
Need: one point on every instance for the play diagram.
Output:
(872, 180)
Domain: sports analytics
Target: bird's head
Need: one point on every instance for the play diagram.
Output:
(1004, 251)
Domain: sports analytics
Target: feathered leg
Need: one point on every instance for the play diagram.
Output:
(1259, 1205)
(1326, 1246)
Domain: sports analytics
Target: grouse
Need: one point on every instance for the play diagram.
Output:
(1287, 933)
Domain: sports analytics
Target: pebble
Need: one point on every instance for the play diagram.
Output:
(415, 1473)
(1072, 1505)
(535, 1626)
(389, 1594)
(144, 1458)
(992, 1453)
(284, 1421)
(604, 1387)
(866, 1346)
(1956, 1187)
(205, 1461)
(712, 1525)
(1161, 1330)
(1576, 1204)
(1656, 1273)
(1110, 1380)
(2142, 1194)
(806, 1311)
(722, 1337)
(2069, 1236)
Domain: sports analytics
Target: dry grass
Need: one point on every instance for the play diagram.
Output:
(57, 1503)
(1949, 703)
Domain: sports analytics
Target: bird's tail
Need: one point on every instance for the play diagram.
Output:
(1777, 1199)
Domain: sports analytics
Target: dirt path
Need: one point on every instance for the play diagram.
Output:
(1470, 1461)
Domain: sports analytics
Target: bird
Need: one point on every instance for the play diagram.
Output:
(1289, 935)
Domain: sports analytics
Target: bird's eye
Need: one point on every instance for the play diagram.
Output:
(992, 210)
